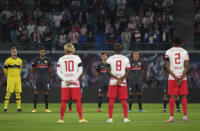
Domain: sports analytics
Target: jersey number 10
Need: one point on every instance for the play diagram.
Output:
(69, 65)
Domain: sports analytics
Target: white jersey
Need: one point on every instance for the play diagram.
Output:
(177, 56)
(67, 69)
(118, 64)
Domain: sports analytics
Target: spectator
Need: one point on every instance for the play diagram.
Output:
(56, 19)
(62, 38)
(90, 40)
(73, 37)
(47, 36)
(30, 28)
(4, 29)
(22, 35)
(126, 38)
(42, 27)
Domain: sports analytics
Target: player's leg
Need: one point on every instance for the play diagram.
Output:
(76, 95)
(139, 94)
(112, 93)
(36, 92)
(45, 87)
(123, 95)
(9, 90)
(132, 90)
(6, 101)
(165, 101)
(64, 98)
(70, 105)
(184, 92)
(130, 100)
(184, 105)
(100, 100)
(100, 97)
(177, 101)
(18, 90)
(172, 92)
(46, 95)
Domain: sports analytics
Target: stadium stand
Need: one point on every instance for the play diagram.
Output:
(89, 24)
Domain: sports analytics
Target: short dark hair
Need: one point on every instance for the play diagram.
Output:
(177, 40)
(135, 50)
(117, 47)
(42, 48)
(12, 48)
(102, 53)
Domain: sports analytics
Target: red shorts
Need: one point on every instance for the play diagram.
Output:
(121, 91)
(70, 93)
(174, 89)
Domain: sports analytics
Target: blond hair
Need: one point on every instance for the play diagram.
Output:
(69, 48)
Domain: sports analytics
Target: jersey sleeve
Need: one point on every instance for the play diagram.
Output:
(128, 65)
(186, 56)
(59, 72)
(166, 57)
(109, 60)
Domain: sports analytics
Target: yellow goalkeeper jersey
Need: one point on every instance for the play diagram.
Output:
(12, 67)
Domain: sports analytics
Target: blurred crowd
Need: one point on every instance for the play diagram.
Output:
(88, 24)
(196, 35)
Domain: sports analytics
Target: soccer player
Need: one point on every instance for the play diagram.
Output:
(135, 80)
(118, 69)
(41, 69)
(103, 78)
(12, 69)
(177, 64)
(69, 69)
(166, 97)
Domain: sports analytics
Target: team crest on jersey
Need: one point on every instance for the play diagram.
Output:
(139, 63)
(45, 61)
(17, 62)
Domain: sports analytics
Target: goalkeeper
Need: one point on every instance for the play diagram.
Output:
(12, 69)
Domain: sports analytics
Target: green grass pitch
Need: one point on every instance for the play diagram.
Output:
(152, 120)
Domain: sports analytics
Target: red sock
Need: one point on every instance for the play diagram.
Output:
(79, 108)
(62, 109)
(125, 108)
(184, 103)
(110, 106)
(171, 106)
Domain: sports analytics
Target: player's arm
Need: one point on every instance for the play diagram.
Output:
(97, 70)
(5, 69)
(50, 67)
(59, 71)
(108, 69)
(79, 72)
(21, 65)
(167, 64)
(33, 66)
(142, 70)
(186, 64)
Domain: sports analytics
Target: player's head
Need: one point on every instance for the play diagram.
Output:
(104, 56)
(13, 51)
(177, 41)
(69, 48)
(117, 48)
(42, 52)
(136, 54)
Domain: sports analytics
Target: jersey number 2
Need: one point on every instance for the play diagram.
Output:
(177, 58)
(118, 65)
(69, 65)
